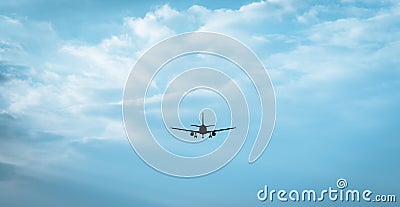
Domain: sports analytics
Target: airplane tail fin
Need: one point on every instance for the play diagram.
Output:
(202, 118)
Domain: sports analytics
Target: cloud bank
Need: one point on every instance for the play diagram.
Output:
(331, 60)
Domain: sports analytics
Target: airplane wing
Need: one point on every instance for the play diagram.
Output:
(187, 130)
(224, 129)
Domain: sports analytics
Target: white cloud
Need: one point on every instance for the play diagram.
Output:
(109, 61)
(78, 70)
(71, 86)
(9, 20)
(151, 28)
(310, 15)
(243, 21)
(332, 53)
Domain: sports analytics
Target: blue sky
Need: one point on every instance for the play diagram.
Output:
(334, 66)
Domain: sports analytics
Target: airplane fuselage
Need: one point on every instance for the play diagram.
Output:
(203, 129)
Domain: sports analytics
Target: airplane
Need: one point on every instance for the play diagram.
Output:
(203, 129)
